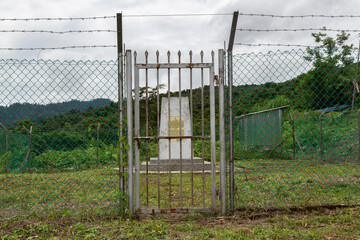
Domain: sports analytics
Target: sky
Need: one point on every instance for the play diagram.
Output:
(152, 33)
(162, 33)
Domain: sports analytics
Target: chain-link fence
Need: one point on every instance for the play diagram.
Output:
(59, 139)
(295, 130)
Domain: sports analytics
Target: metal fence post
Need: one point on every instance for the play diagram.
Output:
(230, 77)
(129, 130)
(222, 134)
(120, 108)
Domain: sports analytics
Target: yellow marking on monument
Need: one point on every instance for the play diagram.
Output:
(175, 127)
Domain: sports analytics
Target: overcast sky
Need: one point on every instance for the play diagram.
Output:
(162, 33)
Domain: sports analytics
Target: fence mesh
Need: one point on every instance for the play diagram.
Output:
(59, 138)
(295, 130)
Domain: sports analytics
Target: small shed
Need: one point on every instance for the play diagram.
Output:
(260, 128)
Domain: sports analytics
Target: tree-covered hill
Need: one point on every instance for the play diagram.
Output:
(36, 112)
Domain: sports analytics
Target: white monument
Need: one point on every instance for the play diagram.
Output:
(175, 153)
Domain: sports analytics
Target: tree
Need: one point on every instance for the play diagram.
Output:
(329, 82)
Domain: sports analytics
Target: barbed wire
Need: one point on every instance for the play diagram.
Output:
(272, 45)
(178, 15)
(57, 48)
(57, 32)
(56, 19)
(113, 17)
(298, 16)
(296, 30)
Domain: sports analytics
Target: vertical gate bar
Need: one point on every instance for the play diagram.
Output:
(180, 115)
(212, 134)
(137, 129)
(147, 128)
(222, 134)
(158, 124)
(231, 147)
(129, 130)
(168, 131)
(202, 128)
(191, 133)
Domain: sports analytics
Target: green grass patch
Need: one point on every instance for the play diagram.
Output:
(341, 223)
(282, 183)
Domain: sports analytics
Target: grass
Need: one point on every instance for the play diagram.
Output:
(260, 184)
(283, 183)
(192, 195)
(94, 192)
(84, 204)
(340, 223)
(68, 192)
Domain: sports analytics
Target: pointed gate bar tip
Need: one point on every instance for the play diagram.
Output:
(146, 56)
(135, 55)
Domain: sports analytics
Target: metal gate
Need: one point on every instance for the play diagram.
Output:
(173, 140)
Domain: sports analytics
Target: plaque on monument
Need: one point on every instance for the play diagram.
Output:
(176, 151)
(175, 124)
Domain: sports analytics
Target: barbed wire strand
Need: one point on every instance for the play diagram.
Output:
(296, 30)
(58, 32)
(115, 31)
(178, 15)
(57, 48)
(298, 16)
(112, 17)
(56, 19)
(272, 45)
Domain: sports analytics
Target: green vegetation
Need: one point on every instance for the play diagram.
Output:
(322, 223)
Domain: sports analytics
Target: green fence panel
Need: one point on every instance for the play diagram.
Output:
(310, 155)
(61, 119)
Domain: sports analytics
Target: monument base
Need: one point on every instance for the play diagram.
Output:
(165, 165)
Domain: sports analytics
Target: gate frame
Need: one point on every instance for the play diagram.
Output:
(133, 137)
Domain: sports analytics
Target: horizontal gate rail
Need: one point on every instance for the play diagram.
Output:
(173, 65)
(171, 137)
